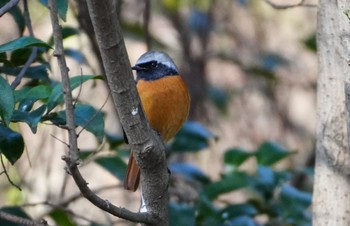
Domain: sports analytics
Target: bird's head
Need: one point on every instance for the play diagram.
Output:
(154, 65)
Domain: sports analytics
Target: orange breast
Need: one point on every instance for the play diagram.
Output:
(166, 103)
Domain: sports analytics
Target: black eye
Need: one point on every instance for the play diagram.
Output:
(154, 64)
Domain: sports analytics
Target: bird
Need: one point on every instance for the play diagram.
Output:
(165, 100)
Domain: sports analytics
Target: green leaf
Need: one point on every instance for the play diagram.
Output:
(91, 119)
(20, 56)
(270, 152)
(34, 72)
(207, 213)
(181, 215)
(228, 183)
(242, 221)
(61, 217)
(7, 101)
(13, 210)
(115, 165)
(35, 93)
(31, 118)
(11, 144)
(192, 137)
(236, 156)
(310, 43)
(56, 97)
(62, 7)
(236, 210)
(85, 116)
(265, 181)
(189, 171)
(295, 206)
(22, 42)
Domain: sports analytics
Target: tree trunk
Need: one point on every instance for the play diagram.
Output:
(331, 201)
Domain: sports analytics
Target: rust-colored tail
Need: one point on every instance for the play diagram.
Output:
(132, 177)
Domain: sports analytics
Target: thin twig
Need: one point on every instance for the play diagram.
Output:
(66, 89)
(7, 175)
(60, 140)
(80, 87)
(20, 220)
(146, 20)
(8, 6)
(34, 52)
(300, 4)
(24, 69)
(94, 116)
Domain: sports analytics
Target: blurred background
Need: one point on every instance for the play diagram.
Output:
(251, 69)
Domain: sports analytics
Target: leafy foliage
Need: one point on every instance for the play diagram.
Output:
(267, 192)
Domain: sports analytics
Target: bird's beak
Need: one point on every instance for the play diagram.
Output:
(137, 67)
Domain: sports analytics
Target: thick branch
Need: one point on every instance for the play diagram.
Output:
(147, 146)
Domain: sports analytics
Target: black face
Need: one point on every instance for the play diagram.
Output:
(153, 70)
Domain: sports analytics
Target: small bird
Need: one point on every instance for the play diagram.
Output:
(165, 100)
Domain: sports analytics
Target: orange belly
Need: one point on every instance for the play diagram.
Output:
(166, 103)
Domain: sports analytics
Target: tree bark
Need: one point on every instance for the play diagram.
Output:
(148, 148)
(331, 200)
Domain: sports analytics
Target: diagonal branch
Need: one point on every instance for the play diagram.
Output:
(300, 4)
(20, 220)
(8, 6)
(7, 175)
(34, 52)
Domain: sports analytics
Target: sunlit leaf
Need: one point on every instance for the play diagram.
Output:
(11, 144)
(7, 101)
(114, 164)
(22, 42)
